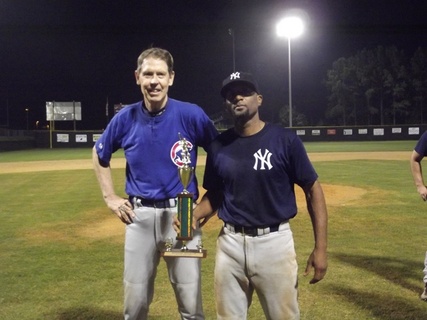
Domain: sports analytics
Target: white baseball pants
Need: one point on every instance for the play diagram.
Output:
(145, 239)
(265, 264)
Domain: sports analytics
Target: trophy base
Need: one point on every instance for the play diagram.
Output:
(190, 253)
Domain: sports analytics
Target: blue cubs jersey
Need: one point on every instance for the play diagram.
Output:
(152, 146)
(257, 175)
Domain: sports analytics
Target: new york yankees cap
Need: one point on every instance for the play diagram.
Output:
(236, 77)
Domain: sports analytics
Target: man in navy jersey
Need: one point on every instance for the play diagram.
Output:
(250, 174)
(419, 152)
(149, 133)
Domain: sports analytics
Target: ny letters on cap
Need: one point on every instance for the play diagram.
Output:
(235, 77)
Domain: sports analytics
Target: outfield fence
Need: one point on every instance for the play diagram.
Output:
(86, 138)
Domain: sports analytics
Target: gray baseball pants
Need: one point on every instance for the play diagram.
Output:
(144, 240)
(265, 264)
(425, 269)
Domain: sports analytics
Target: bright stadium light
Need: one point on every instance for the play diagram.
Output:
(290, 27)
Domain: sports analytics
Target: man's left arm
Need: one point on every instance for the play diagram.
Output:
(316, 206)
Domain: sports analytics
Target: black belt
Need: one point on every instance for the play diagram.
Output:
(142, 202)
(253, 231)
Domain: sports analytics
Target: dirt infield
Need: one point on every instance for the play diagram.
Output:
(111, 227)
(31, 166)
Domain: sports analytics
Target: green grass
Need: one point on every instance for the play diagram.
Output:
(360, 146)
(86, 153)
(49, 154)
(54, 266)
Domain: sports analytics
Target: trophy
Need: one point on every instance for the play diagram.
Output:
(185, 211)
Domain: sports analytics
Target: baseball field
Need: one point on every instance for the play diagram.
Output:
(61, 253)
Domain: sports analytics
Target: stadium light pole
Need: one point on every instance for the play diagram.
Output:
(231, 33)
(26, 111)
(290, 27)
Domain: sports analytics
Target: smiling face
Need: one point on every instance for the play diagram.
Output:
(154, 78)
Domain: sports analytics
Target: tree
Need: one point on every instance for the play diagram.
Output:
(418, 71)
(298, 118)
(337, 84)
(398, 84)
(368, 85)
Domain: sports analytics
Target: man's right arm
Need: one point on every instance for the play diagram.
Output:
(207, 208)
(121, 207)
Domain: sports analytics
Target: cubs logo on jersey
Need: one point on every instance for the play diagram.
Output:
(177, 154)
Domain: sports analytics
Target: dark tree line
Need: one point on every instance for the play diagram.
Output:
(379, 86)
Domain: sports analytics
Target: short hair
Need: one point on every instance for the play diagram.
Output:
(157, 53)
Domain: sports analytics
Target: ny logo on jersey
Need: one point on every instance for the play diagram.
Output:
(264, 160)
(235, 75)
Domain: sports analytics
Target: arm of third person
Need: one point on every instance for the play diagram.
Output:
(417, 174)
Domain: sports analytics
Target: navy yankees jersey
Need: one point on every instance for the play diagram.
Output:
(421, 146)
(257, 175)
(152, 147)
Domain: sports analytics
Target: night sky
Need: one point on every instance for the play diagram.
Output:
(86, 50)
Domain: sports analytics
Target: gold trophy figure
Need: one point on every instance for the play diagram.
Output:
(185, 211)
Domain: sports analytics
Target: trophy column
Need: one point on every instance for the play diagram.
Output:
(185, 211)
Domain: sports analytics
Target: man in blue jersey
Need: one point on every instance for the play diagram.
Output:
(419, 152)
(149, 133)
(250, 175)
